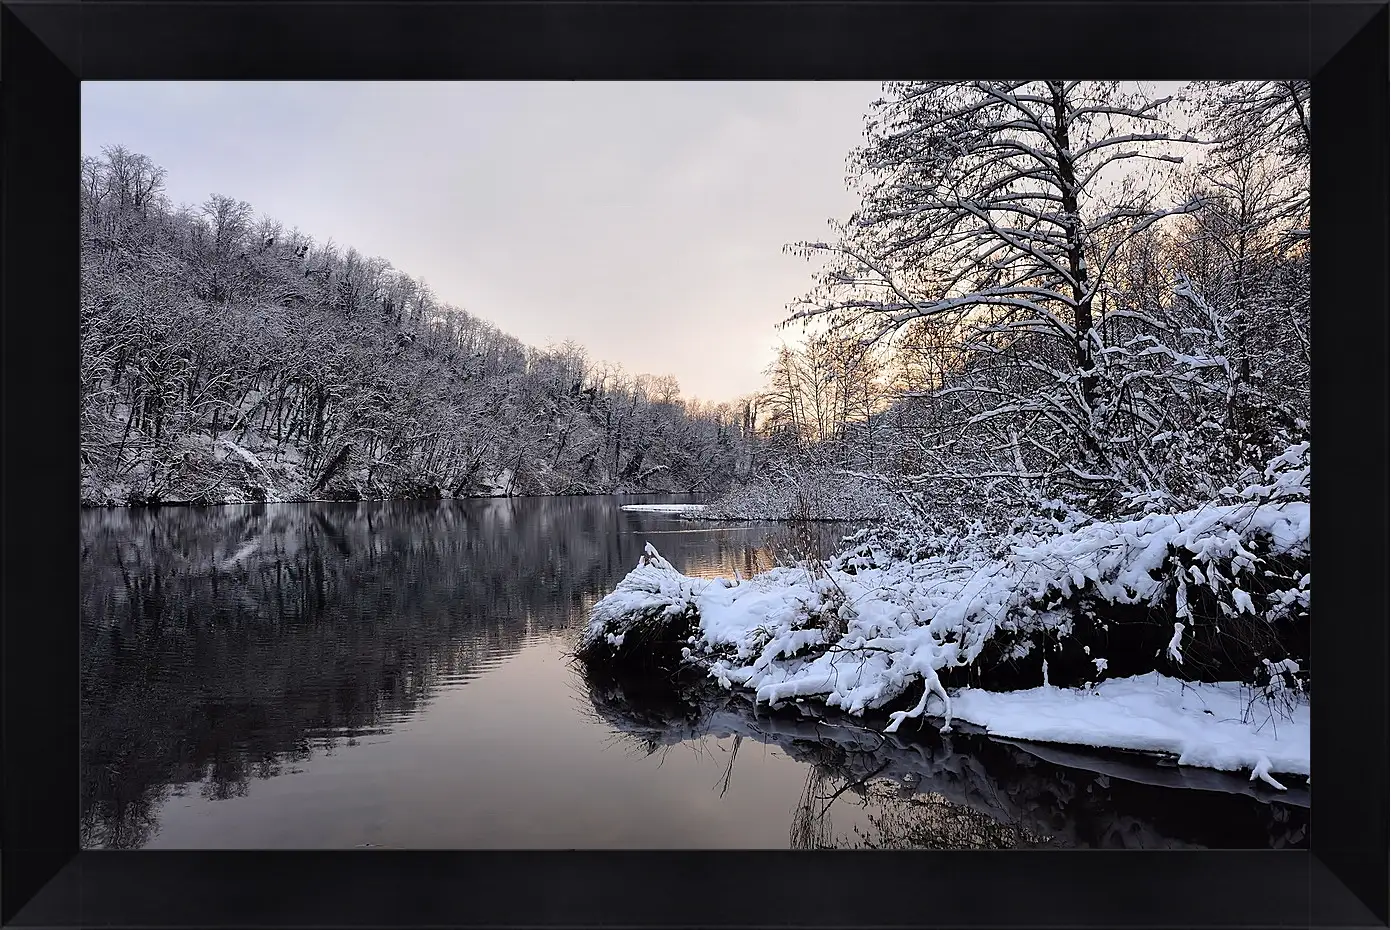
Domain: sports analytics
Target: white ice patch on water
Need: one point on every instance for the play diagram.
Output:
(663, 508)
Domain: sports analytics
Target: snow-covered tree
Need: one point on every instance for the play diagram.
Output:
(1032, 250)
(1268, 119)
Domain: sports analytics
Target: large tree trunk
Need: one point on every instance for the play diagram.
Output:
(1077, 265)
(1082, 305)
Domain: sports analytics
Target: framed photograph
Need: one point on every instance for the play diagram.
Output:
(675, 464)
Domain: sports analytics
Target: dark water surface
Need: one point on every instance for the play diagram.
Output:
(396, 675)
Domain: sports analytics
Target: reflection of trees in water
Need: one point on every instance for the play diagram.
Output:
(904, 819)
(811, 819)
(230, 643)
(953, 792)
(899, 814)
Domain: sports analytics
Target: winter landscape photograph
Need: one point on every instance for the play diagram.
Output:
(673, 465)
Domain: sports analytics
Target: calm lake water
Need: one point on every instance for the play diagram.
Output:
(396, 675)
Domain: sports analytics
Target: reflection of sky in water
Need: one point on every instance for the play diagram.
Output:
(510, 759)
(327, 676)
(708, 549)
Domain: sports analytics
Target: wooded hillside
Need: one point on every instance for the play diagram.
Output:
(227, 358)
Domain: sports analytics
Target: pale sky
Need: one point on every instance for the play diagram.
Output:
(643, 220)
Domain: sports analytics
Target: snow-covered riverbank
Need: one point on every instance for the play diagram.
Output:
(1211, 593)
(227, 472)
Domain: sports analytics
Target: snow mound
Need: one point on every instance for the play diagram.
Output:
(648, 601)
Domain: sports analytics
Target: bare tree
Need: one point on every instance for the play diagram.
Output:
(995, 213)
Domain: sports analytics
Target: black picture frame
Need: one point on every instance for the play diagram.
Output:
(46, 48)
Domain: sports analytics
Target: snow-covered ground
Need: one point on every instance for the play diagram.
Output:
(1217, 726)
(862, 630)
(664, 508)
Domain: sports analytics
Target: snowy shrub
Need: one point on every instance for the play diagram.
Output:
(1275, 691)
(805, 493)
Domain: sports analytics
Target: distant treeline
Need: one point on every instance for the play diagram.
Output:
(227, 358)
